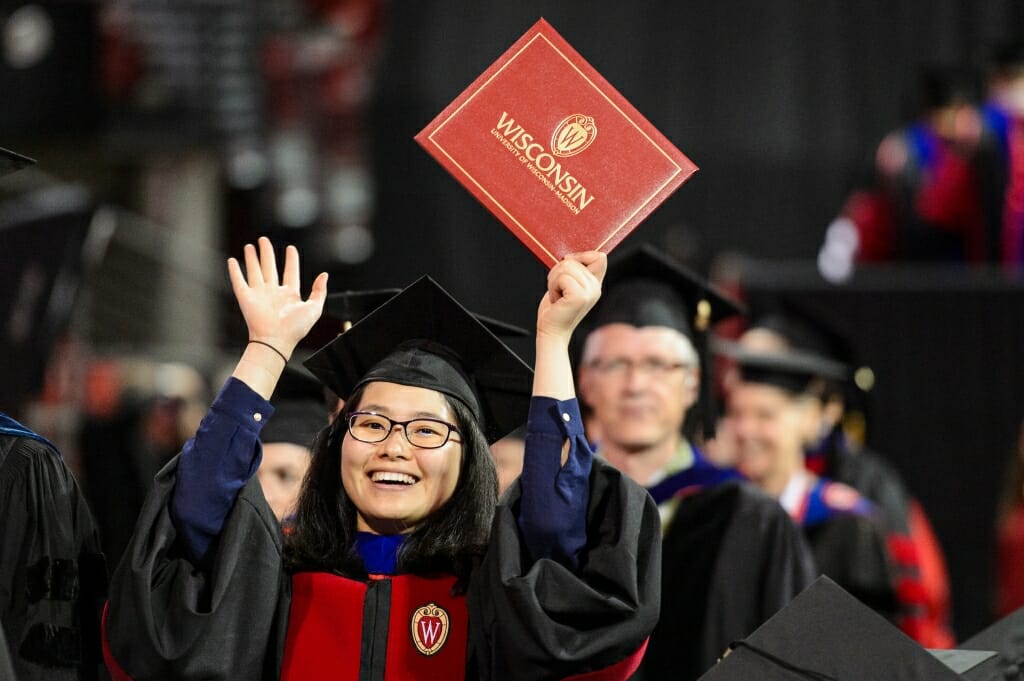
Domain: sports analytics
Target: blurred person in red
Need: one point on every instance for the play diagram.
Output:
(922, 200)
(1001, 152)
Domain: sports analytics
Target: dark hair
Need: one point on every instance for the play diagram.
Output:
(448, 541)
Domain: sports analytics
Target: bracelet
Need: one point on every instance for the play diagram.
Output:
(280, 354)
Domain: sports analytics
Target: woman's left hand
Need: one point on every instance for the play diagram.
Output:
(574, 286)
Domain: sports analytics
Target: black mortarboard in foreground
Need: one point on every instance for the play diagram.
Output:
(11, 161)
(350, 306)
(793, 371)
(644, 287)
(825, 634)
(1006, 639)
(423, 337)
(300, 410)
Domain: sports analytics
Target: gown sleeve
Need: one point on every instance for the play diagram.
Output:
(182, 611)
(540, 617)
(552, 516)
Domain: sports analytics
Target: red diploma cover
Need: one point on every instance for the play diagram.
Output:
(554, 151)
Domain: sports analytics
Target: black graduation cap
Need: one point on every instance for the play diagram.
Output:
(11, 161)
(424, 337)
(1005, 639)
(807, 326)
(792, 370)
(645, 287)
(825, 634)
(351, 306)
(300, 410)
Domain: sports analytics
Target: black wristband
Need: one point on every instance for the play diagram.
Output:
(280, 354)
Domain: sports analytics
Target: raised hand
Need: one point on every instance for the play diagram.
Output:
(274, 310)
(574, 286)
(275, 313)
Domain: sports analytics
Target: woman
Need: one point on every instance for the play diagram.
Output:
(396, 569)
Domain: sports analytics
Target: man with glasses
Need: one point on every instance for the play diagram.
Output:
(731, 555)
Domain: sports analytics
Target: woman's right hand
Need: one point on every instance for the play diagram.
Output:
(275, 313)
(273, 309)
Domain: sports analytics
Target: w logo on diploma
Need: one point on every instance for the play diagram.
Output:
(574, 194)
(430, 626)
(573, 135)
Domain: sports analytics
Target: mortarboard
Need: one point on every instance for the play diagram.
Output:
(803, 325)
(351, 306)
(300, 410)
(1006, 639)
(424, 337)
(11, 161)
(825, 634)
(792, 370)
(644, 287)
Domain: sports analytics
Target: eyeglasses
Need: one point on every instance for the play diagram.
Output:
(370, 427)
(650, 366)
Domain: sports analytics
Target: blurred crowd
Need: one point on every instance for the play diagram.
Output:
(947, 186)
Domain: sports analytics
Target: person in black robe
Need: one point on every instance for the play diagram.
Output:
(52, 571)
(770, 413)
(922, 580)
(395, 568)
(731, 556)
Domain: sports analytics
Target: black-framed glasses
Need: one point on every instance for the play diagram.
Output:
(650, 366)
(371, 427)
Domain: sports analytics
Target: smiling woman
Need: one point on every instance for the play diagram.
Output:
(400, 564)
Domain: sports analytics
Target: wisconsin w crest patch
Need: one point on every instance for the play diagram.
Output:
(430, 625)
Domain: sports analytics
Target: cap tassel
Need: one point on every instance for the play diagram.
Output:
(705, 396)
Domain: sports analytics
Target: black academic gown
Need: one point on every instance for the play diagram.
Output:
(920, 614)
(732, 557)
(52, 573)
(167, 619)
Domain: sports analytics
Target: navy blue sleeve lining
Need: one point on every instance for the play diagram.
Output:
(216, 463)
(552, 514)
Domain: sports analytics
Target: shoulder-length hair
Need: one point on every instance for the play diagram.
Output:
(324, 532)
